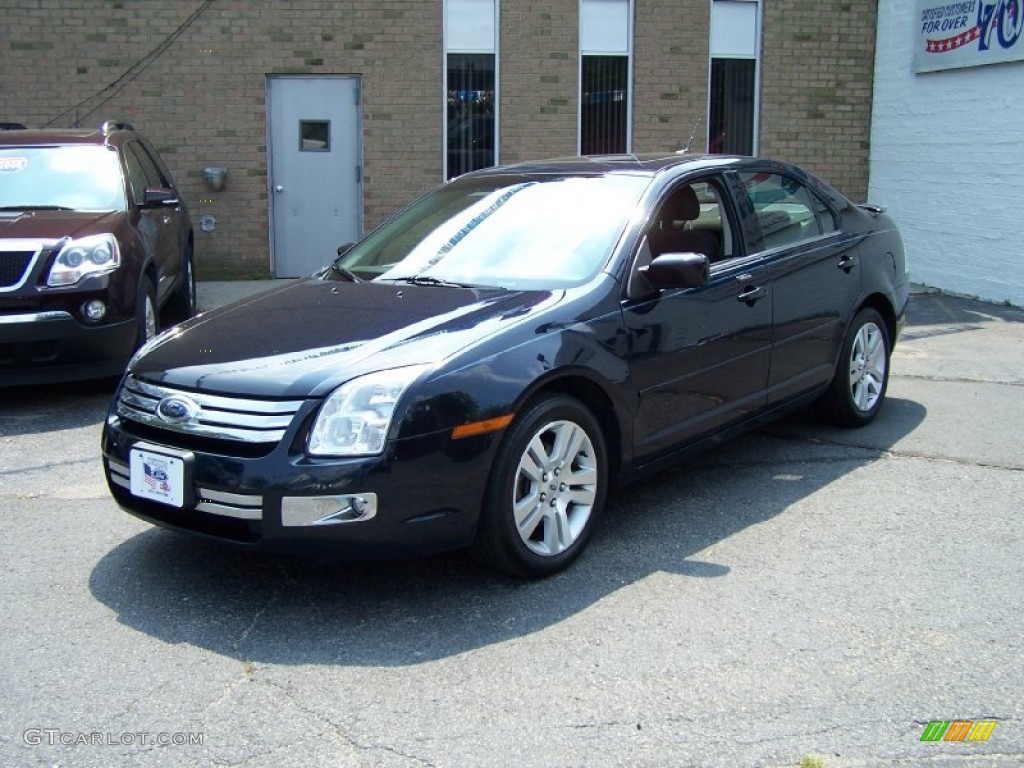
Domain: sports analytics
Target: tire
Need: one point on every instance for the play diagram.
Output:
(147, 315)
(857, 392)
(182, 304)
(553, 466)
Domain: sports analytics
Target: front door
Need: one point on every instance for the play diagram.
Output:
(699, 357)
(315, 173)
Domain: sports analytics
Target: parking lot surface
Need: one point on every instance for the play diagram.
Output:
(802, 591)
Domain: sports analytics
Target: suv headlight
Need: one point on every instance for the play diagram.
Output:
(355, 418)
(95, 255)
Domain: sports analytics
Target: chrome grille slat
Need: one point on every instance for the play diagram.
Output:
(216, 401)
(242, 419)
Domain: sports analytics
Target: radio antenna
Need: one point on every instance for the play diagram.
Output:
(693, 133)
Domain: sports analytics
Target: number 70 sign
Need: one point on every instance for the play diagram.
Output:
(968, 33)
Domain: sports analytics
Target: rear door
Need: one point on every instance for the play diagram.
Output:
(815, 278)
(699, 357)
(160, 225)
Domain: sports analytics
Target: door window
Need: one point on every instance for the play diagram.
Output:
(787, 212)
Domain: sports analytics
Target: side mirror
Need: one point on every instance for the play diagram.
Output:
(677, 270)
(157, 197)
(343, 249)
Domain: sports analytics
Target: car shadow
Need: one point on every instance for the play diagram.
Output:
(282, 610)
(52, 407)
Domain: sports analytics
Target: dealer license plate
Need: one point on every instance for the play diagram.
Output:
(158, 477)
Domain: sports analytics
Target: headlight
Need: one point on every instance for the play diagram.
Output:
(354, 420)
(95, 255)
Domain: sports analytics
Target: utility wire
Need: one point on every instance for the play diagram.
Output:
(130, 74)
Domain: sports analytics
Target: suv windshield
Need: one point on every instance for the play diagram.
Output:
(515, 232)
(80, 178)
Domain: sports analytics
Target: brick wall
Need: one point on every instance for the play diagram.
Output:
(816, 82)
(670, 74)
(202, 101)
(202, 98)
(539, 90)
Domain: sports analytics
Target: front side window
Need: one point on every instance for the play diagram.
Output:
(513, 232)
(786, 211)
(80, 178)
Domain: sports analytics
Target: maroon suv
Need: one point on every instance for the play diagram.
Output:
(95, 251)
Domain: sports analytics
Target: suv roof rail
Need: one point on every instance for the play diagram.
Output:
(116, 125)
(12, 126)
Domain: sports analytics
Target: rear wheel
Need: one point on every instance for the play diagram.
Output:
(858, 389)
(547, 490)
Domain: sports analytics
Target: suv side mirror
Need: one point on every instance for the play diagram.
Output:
(157, 197)
(677, 270)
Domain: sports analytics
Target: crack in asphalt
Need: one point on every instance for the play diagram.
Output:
(339, 730)
(956, 379)
(878, 453)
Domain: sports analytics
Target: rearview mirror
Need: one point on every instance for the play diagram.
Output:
(677, 270)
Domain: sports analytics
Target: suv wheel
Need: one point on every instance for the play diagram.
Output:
(182, 304)
(147, 317)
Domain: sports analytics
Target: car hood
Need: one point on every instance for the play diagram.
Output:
(54, 225)
(311, 335)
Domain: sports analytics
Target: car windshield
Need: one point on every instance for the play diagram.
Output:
(80, 178)
(514, 232)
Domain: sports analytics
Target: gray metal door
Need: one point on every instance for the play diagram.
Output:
(315, 174)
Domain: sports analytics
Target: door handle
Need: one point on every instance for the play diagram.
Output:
(847, 262)
(751, 294)
(279, 188)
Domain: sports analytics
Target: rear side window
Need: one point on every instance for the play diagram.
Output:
(787, 212)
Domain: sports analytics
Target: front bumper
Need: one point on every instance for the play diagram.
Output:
(52, 346)
(423, 495)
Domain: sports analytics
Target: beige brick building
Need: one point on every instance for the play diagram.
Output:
(194, 74)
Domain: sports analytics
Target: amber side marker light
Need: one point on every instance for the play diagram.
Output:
(482, 427)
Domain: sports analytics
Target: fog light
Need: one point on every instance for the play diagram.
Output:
(94, 310)
(299, 511)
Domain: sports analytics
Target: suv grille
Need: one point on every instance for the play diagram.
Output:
(217, 417)
(13, 265)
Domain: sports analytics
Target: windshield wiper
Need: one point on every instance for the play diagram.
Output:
(436, 281)
(35, 208)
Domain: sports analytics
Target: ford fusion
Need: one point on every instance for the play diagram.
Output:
(484, 367)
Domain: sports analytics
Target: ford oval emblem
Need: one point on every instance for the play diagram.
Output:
(177, 409)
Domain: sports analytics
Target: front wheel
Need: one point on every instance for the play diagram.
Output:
(858, 389)
(182, 304)
(547, 490)
(147, 317)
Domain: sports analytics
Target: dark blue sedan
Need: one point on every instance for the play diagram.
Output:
(484, 367)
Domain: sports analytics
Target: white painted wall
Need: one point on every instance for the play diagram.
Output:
(947, 161)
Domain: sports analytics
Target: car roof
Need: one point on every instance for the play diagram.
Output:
(108, 134)
(645, 164)
(655, 164)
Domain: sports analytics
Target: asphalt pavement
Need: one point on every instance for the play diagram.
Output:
(803, 593)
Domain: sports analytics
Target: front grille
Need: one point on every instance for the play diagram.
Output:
(13, 266)
(237, 420)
